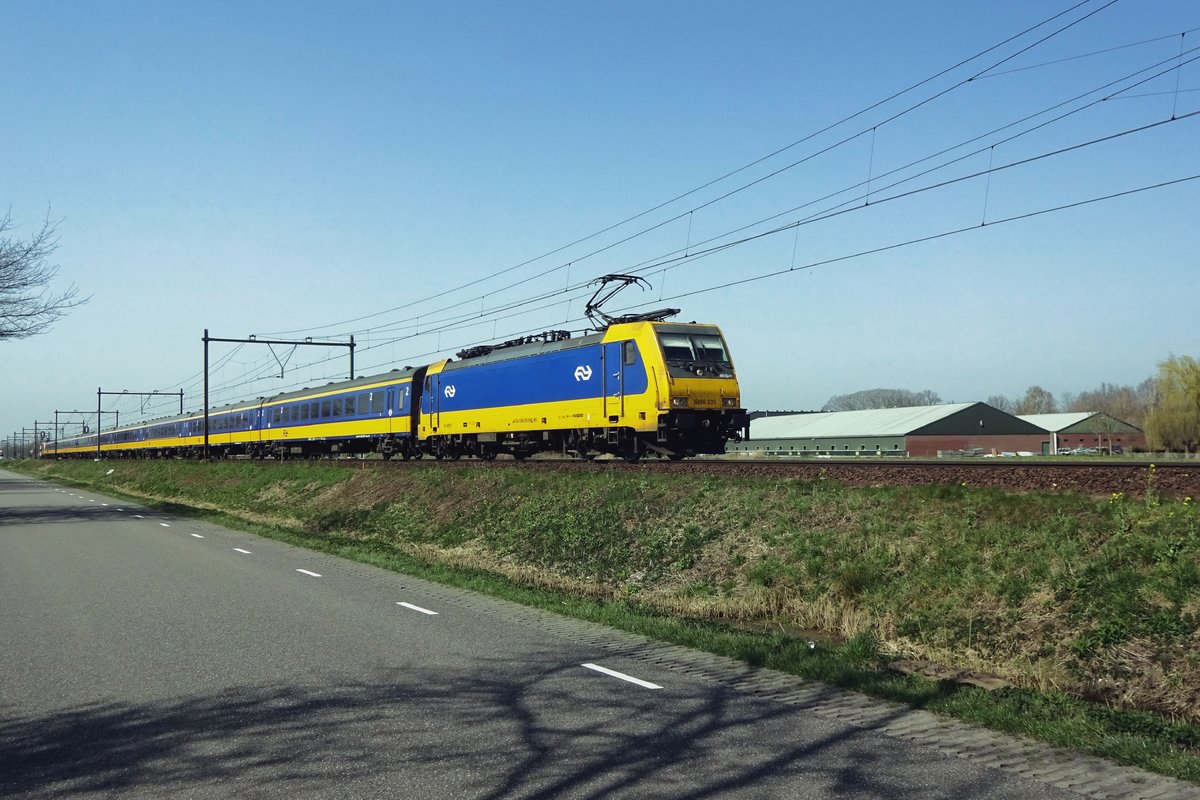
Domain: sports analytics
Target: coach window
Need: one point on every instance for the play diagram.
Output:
(325, 408)
(295, 413)
(303, 411)
(376, 402)
(349, 406)
(337, 407)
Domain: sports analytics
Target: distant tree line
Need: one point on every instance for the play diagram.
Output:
(880, 398)
(1166, 406)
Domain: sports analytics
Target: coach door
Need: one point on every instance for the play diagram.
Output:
(434, 387)
(391, 409)
(612, 368)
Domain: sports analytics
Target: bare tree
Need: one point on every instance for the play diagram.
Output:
(27, 307)
(1036, 401)
(1002, 402)
(1126, 403)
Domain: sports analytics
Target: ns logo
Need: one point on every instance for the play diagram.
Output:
(583, 373)
(450, 390)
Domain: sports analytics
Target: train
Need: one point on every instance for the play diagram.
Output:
(639, 387)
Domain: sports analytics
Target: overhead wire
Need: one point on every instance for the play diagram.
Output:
(637, 268)
(440, 323)
(941, 235)
(742, 168)
(1089, 55)
(823, 151)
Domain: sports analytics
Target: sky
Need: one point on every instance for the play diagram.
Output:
(852, 191)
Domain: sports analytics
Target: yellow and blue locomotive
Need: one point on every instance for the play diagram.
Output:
(635, 389)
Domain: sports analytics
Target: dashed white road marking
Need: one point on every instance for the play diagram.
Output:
(622, 676)
(104, 504)
(198, 536)
(418, 608)
(306, 572)
(139, 516)
(165, 525)
(240, 550)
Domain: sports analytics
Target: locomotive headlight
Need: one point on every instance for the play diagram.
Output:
(729, 402)
(679, 402)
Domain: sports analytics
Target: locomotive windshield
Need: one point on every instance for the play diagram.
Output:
(695, 353)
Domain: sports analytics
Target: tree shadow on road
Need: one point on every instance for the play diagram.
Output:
(558, 733)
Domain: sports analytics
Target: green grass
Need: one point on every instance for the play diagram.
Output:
(1094, 596)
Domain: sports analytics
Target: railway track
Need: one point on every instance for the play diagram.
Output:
(1172, 479)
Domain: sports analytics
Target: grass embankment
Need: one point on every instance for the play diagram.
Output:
(1088, 606)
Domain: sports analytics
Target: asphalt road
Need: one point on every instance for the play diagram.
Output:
(149, 656)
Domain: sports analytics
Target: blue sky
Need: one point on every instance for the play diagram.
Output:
(262, 168)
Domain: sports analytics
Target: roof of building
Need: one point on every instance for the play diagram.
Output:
(1099, 422)
(874, 422)
(1057, 422)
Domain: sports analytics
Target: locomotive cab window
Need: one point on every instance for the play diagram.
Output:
(696, 353)
(676, 346)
